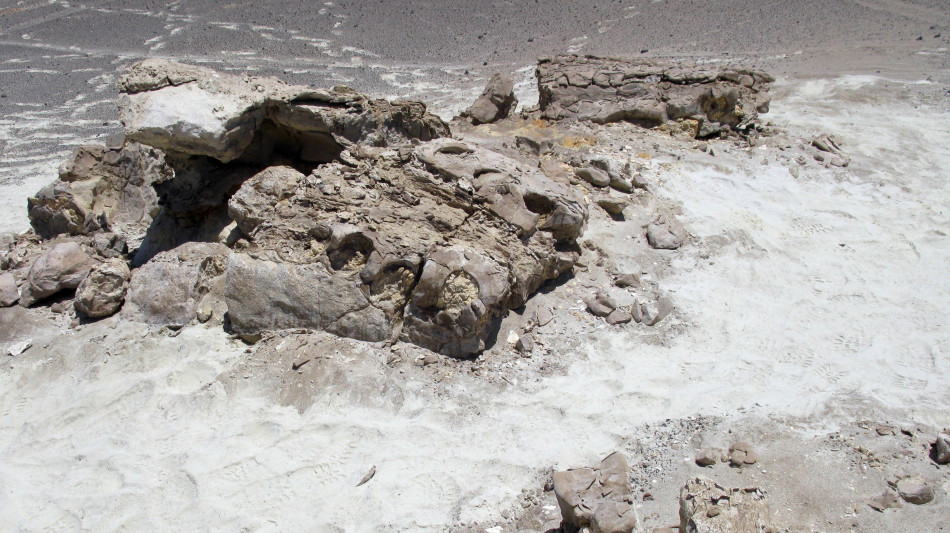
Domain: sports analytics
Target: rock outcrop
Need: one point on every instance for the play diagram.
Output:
(442, 242)
(707, 507)
(195, 111)
(306, 208)
(604, 90)
(598, 498)
(496, 102)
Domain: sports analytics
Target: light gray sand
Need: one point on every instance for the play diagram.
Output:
(803, 305)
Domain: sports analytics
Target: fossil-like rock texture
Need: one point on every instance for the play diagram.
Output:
(308, 208)
(442, 240)
(604, 90)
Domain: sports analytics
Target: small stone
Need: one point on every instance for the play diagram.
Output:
(887, 500)
(613, 206)
(594, 176)
(543, 316)
(708, 456)
(737, 458)
(619, 316)
(628, 280)
(885, 430)
(915, 490)
(713, 511)
(204, 314)
(666, 233)
(525, 344)
(601, 305)
(9, 294)
(941, 449)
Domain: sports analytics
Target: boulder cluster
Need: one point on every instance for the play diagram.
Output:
(271, 206)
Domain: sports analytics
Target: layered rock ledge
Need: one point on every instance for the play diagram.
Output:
(602, 90)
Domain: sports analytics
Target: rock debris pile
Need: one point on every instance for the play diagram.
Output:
(260, 205)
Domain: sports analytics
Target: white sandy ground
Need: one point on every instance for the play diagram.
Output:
(136, 432)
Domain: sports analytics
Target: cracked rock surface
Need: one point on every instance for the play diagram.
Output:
(442, 242)
(708, 99)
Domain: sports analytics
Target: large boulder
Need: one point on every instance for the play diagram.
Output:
(707, 507)
(195, 111)
(496, 102)
(604, 90)
(102, 292)
(598, 498)
(443, 242)
(168, 289)
(63, 267)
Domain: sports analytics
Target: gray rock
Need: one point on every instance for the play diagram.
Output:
(599, 498)
(8, 290)
(103, 291)
(496, 102)
(619, 316)
(604, 90)
(594, 176)
(601, 304)
(268, 295)
(666, 233)
(914, 489)
(612, 205)
(707, 507)
(543, 316)
(167, 289)
(941, 449)
(62, 267)
(708, 456)
(651, 314)
(99, 189)
(525, 344)
(628, 280)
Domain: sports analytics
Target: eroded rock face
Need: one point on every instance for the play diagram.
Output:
(167, 289)
(444, 242)
(195, 111)
(62, 267)
(604, 90)
(599, 498)
(707, 507)
(101, 188)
